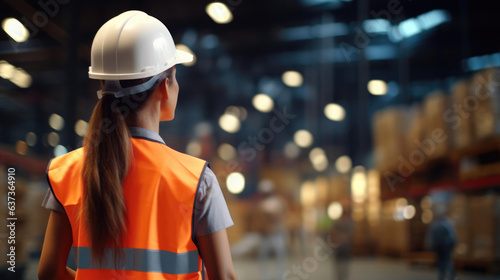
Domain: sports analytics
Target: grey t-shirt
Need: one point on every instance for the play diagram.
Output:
(211, 213)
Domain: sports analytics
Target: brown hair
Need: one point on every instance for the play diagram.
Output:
(107, 159)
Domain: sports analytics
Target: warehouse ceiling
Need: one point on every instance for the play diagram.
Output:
(328, 41)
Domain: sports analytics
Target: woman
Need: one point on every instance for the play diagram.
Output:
(127, 205)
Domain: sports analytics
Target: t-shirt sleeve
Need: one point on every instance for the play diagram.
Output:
(50, 202)
(210, 213)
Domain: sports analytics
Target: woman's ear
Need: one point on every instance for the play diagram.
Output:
(164, 88)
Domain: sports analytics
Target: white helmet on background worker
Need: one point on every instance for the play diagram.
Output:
(132, 45)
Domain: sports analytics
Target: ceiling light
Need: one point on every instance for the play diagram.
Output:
(377, 87)
(226, 152)
(263, 102)
(219, 12)
(81, 127)
(56, 122)
(15, 29)
(303, 138)
(334, 112)
(335, 210)
(229, 123)
(318, 159)
(343, 164)
(235, 182)
(292, 78)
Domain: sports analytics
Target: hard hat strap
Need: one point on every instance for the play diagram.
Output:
(113, 87)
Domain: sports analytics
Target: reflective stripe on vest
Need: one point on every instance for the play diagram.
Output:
(159, 192)
(145, 260)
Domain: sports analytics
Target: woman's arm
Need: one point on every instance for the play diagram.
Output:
(56, 247)
(215, 252)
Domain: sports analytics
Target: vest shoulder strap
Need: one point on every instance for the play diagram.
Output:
(66, 160)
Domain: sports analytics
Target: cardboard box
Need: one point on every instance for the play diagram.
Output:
(389, 134)
(484, 219)
(394, 236)
(416, 129)
(458, 211)
(434, 107)
(485, 103)
(461, 123)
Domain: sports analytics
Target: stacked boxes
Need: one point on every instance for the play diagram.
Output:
(485, 90)
(416, 129)
(485, 103)
(460, 120)
(484, 229)
(389, 134)
(395, 236)
(474, 113)
(459, 214)
(435, 125)
(403, 134)
(467, 123)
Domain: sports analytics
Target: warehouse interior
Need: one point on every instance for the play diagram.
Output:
(369, 116)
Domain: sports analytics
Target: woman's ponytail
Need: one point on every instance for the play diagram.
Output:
(107, 152)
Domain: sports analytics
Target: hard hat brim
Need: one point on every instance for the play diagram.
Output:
(182, 57)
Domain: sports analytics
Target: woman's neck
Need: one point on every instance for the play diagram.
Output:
(148, 117)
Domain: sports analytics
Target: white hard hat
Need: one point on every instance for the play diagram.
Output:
(133, 45)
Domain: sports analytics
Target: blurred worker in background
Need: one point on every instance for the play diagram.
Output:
(131, 207)
(270, 214)
(341, 233)
(441, 238)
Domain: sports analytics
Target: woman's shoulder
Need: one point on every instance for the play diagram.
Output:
(185, 157)
(67, 159)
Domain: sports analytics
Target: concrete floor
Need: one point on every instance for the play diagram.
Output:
(360, 269)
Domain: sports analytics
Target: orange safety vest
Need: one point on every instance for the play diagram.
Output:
(159, 192)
